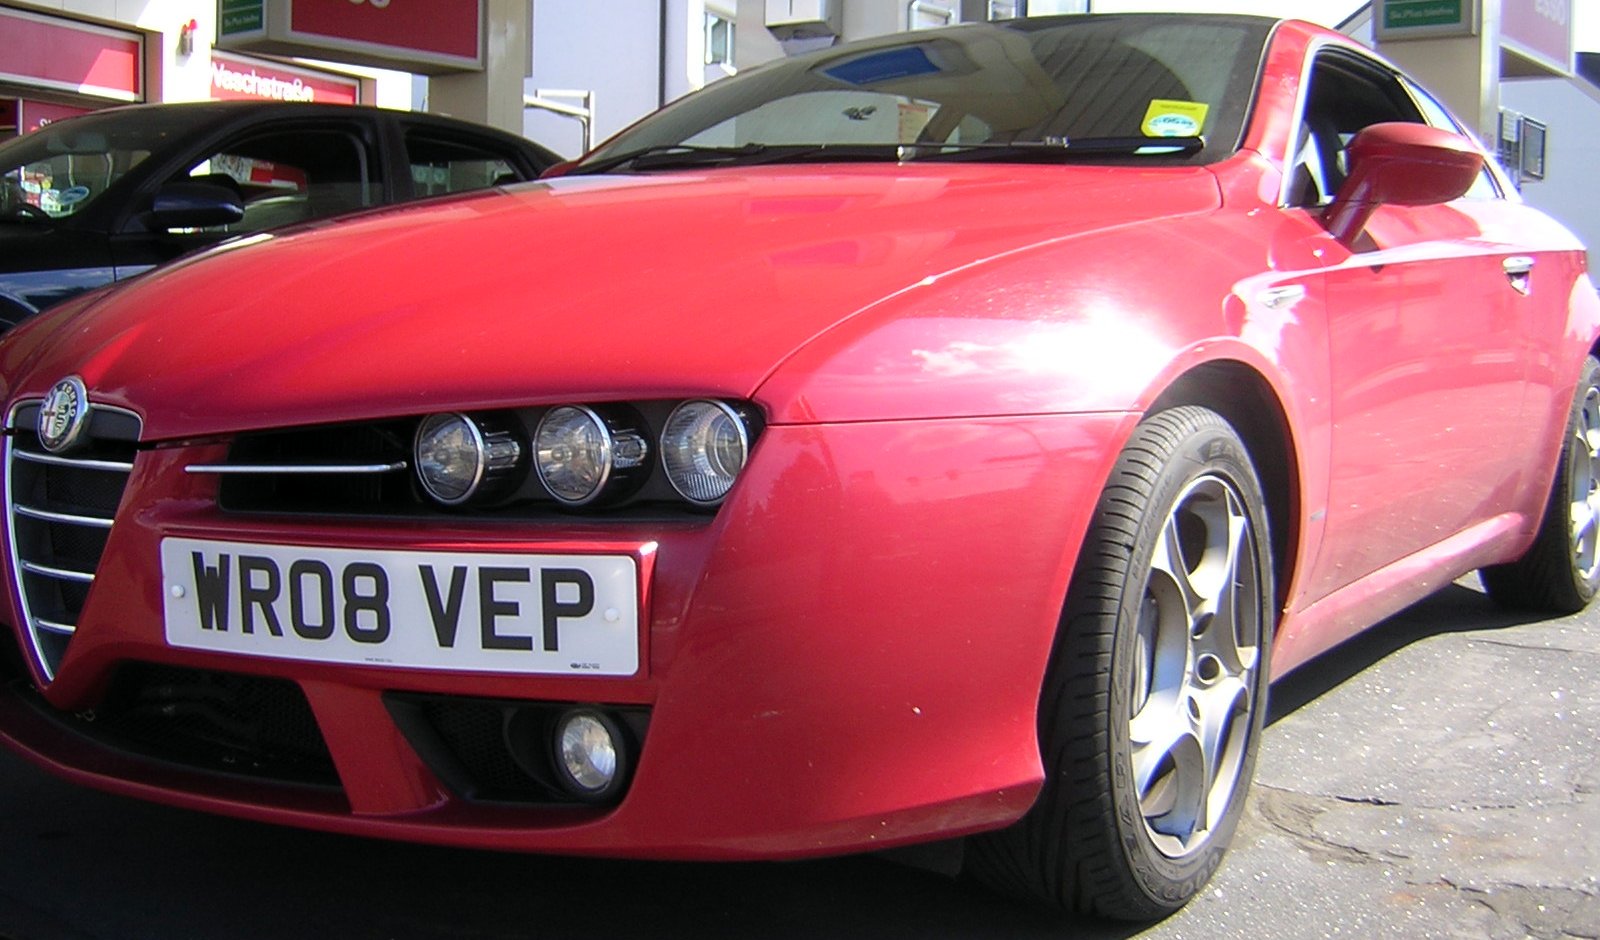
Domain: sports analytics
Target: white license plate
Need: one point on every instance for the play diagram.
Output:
(473, 611)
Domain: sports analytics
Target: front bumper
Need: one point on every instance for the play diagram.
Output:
(847, 656)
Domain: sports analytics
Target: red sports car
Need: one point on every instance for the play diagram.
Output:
(942, 438)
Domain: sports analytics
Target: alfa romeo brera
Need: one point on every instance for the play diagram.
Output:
(942, 438)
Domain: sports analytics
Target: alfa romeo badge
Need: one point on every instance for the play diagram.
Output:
(64, 415)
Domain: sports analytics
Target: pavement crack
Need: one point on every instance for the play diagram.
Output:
(1366, 800)
(1295, 815)
(1547, 913)
(1537, 647)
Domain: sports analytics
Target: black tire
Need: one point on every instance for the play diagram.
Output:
(1087, 845)
(1560, 572)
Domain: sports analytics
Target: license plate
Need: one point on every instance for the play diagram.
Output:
(472, 611)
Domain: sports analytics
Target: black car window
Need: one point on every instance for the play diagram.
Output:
(1347, 93)
(450, 166)
(58, 171)
(293, 175)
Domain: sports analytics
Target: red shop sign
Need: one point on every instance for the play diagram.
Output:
(234, 78)
(63, 55)
(412, 35)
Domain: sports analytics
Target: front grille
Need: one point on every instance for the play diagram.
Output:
(216, 721)
(61, 509)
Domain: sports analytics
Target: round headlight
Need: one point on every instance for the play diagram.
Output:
(458, 458)
(451, 454)
(703, 447)
(573, 448)
(588, 754)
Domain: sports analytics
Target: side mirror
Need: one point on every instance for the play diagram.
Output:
(1404, 165)
(195, 204)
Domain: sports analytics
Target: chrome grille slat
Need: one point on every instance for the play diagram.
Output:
(336, 469)
(98, 522)
(60, 511)
(114, 466)
(65, 574)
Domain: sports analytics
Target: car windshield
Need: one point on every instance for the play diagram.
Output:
(1092, 87)
(61, 168)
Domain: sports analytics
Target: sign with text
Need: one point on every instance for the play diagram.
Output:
(235, 78)
(1425, 19)
(428, 36)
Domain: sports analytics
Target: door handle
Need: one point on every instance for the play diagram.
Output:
(1518, 270)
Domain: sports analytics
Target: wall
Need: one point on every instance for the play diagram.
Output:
(1568, 191)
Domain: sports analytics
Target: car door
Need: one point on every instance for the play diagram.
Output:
(284, 172)
(1427, 353)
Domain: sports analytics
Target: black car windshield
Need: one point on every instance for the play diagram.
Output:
(61, 168)
(1087, 88)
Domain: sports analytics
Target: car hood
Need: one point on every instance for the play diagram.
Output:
(591, 287)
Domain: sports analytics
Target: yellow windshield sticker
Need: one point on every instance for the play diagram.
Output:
(1169, 118)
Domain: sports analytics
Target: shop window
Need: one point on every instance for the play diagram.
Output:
(293, 175)
(439, 166)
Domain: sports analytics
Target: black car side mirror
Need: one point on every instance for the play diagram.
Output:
(195, 204)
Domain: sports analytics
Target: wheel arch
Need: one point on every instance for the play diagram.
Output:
(1247, 400)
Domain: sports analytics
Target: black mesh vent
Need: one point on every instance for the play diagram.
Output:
(234, 724)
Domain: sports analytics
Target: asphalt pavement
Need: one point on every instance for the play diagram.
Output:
(1437, 777)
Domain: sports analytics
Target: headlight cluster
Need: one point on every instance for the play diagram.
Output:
(583, 455)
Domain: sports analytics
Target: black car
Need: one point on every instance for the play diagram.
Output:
(106, 196)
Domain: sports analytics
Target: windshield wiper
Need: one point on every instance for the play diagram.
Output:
(678, 156)
(1055, 147)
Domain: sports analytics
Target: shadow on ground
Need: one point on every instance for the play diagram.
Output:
(1455, 609)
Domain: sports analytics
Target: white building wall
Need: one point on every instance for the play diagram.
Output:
(614, 50)
(1568, 191)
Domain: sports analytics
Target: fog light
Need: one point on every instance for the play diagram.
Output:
(589, 754)
(458, 458)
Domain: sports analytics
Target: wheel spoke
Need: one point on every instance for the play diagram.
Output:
(1221, 707)
(1169, 561)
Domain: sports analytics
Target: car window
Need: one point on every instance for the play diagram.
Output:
(1347, 93)
(58, 171)
(293, 175)
(441, 166)
(1437, 116)
(1013, 87)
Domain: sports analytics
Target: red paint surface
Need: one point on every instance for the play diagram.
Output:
(59, 51)
(951, 356)
(445, 27)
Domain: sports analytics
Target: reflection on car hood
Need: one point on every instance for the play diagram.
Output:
(596, 287)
